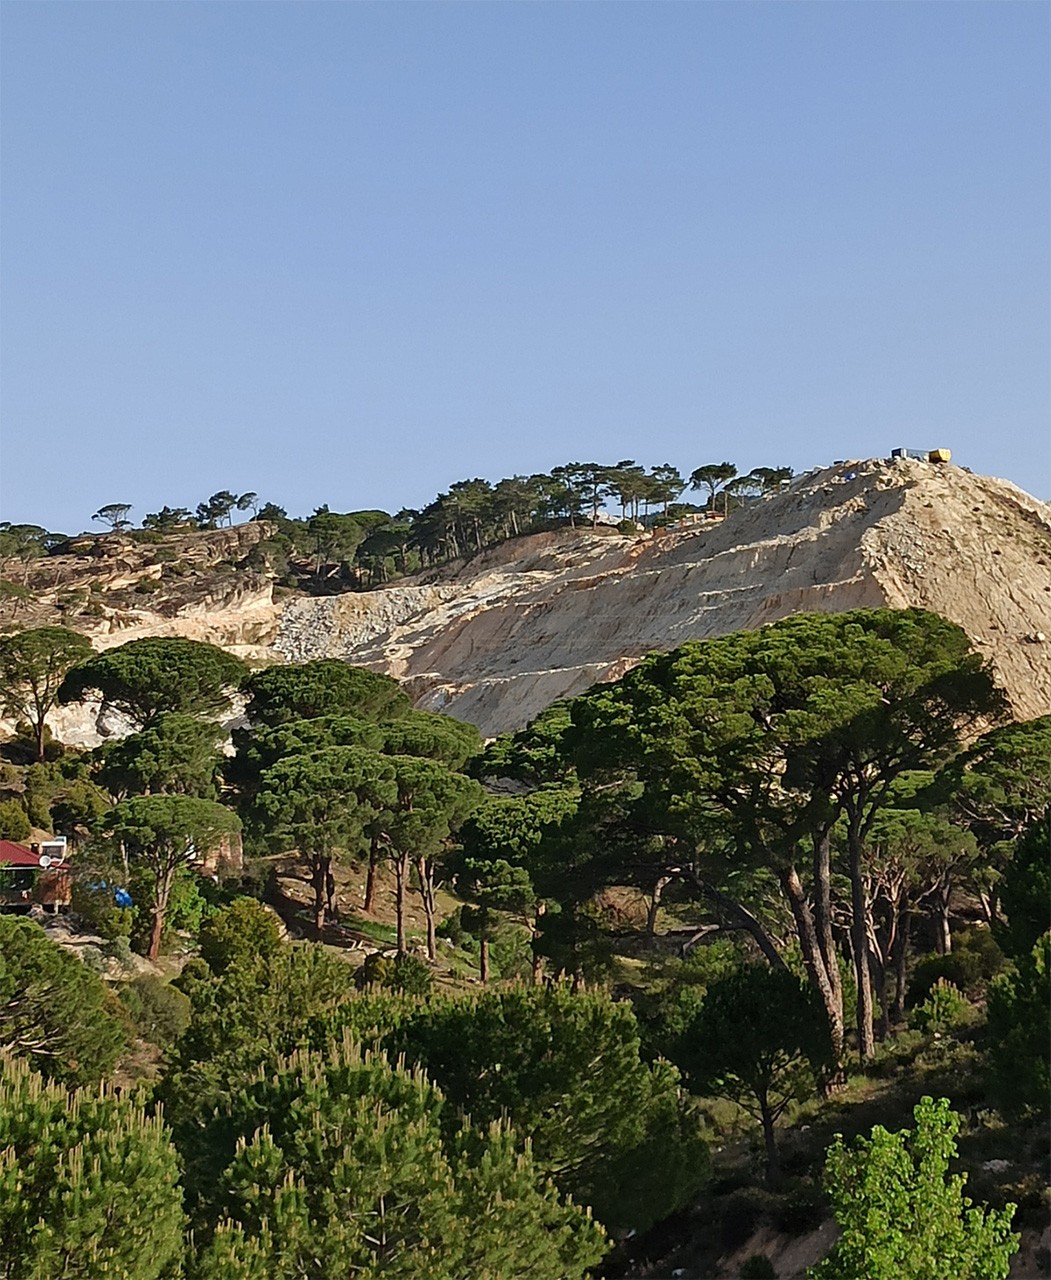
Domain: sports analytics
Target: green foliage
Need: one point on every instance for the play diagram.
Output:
(33, 665)
(535, 755)
(326, 687)
(434, 736)
(161, 1012)
(376, 971)
(402, 972)
(409, 975)
(757, 1266)
(78, 806)
(1025, 891)
(901, 1213)
(175, 753)
(241, 931)
(53, 1010)
(14, 822)
(40, 790)
(759, 1038)
(340, 1164)
(88, 1184)
(259, 749)
(1019, 1034)
(163, 834)
(565, 1068)
(677, 990)
(944, 1009)
(1000, 785)
(186, 909)
(144, 678)
(93, 902)
(974, 959)
(323, 805)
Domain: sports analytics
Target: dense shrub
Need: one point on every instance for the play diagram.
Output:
(53, 1009)
(944, 1009)
(90, 1184)
(14, 822)
(974, 959)
(240, 931)
(339, 1164)
(160, 1012)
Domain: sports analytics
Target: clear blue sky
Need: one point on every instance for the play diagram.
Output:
(350, 253)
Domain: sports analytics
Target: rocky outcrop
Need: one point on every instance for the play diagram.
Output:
(120, 587)
(540, 618)
(496, 639)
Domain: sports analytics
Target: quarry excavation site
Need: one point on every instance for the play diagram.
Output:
(496, 638)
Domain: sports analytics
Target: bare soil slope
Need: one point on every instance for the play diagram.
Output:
(543, 617)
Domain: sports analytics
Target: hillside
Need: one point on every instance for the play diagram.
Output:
(496, 638)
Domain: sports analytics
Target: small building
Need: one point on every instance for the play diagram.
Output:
(35, 874)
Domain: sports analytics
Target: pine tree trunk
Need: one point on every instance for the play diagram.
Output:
(401, 875)
(370, 879)
(943, 936)
(425, 872)
(318, 872)
(817, 972)
(859, 941)
(538, 960)
(483, 958)
(823, 915)
(654, 907)
(742, 919)
(162, 893)
(900, 956)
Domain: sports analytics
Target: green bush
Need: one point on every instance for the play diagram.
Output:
(93, 903)
(945, 1008)
(239, 931)
(374, 972)
(14, 822)
(160, 1012)
(1019, 1051)
(902, 1214)
(90, 1184)
(758, 1267)
(53, 1009)
(404, 972)
(975, 959)
(410, 974)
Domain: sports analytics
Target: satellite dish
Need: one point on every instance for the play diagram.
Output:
(45, 860)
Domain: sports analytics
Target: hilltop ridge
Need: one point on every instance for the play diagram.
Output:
(495, 638)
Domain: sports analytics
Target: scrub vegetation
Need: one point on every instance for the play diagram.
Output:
(754, 937)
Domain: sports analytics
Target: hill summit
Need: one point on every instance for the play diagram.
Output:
(496, 638)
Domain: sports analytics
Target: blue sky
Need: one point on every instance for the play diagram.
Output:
(350, 253)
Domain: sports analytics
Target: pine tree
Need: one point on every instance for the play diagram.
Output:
(339, 1164)
(88, 1184)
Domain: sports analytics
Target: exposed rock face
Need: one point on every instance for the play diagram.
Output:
(500, 638)
(116, 588)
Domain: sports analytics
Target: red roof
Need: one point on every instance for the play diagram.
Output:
(19, 855)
